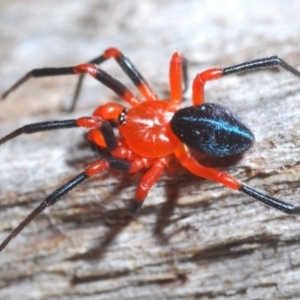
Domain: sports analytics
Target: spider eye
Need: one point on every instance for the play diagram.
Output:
(212, 129)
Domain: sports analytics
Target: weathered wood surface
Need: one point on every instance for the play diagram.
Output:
(193, 238)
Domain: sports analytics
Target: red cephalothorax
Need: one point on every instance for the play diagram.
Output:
(150, 123)
(152, 130)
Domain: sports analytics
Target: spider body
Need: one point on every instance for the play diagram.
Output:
(152, 131)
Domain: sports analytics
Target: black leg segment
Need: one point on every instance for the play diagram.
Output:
(50, 200)
(119, 164)
(260, 64)
(44, 72)
(110, 162)
(115, 85)
(38, 127)
(127, 66)
(109, 136)
(270, 201)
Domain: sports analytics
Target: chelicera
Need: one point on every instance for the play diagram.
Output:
(152, 131)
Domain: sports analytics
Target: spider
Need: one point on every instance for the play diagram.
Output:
(152, 131)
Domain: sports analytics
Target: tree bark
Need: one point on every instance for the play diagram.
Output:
(193, 238)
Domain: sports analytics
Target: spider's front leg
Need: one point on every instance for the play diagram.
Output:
(89, 68)
(115, 85)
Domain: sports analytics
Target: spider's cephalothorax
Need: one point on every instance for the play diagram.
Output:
(152, 131)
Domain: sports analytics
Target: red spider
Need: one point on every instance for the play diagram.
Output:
(153, 130)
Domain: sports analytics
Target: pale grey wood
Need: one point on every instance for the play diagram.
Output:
(193, 238)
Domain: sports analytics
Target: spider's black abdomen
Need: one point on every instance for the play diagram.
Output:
(211, 129)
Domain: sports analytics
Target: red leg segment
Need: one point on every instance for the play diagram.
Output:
(104, 127)
(199, 82)
(183, 155)
(109, 111)
(147, 181)
(176, 78)
(149, 178)
(96, 137)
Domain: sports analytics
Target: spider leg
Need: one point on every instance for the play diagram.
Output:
(147, 181)
(44, 72)
(129, 69)
(92, 170)
(101, 132)
(38, 127)
(86, 122)
(199, 83)
(270, 201)
(107, 80)
(176, 78)
(249, 66)
(193, 166)
(261, 64)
